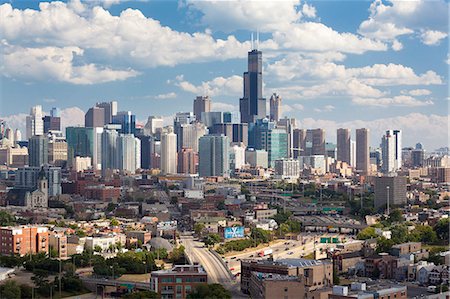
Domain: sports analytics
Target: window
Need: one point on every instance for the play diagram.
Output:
(187, 289)
(179, 280)
(285, 289)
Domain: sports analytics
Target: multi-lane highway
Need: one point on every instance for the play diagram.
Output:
(217, 272)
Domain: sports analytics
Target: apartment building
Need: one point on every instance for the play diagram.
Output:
(22, 240)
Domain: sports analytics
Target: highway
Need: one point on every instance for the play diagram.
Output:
(217, 273)
(286, 249)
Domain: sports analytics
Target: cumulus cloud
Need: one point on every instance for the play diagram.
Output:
(129, 37)
(309, 11)
(53, 63)
(263, 15)
(394, 18)
(432, 37)
(230, 86)
(401, 100)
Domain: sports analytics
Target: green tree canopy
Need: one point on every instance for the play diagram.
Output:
(367, 233)
(210, 291)
(11, 290)
(6, 219)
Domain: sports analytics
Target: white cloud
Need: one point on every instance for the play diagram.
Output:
(52, 63)
(395, 18)
(432, 129)
(129, 38)
(165, 96)
(309, 11)
(432, 37)
(417, 92)
(313, 36)
(230, 86)
(401, 100)
(255, 15)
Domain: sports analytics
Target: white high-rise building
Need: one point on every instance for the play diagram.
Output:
(129, 152)
(237, 156)
(34, 122)
(169, 153)
(17, 136)
(97, 150)
(391, 149)
(154, 123)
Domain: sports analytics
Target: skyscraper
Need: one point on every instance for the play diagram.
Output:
(38, 151)
(169, 153)
(126, 120)
(391, 150)
(34, 122)
(213, 156)
(252, 105)
(362, 151)
(110, 152)
(52, 123)
(299, 142)
(154, 124)
(275, 107)
(188, 135)
(201, 104)
(277, 145)
(129, 152)
(317, 139)
(110, 109)
(94, 118)
(343, 145)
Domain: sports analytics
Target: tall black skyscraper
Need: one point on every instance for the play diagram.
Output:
(253, 106)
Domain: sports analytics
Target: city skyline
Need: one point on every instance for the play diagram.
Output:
(406, 93)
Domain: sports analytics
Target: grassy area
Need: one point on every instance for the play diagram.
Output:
(309, 256)
(436, 248)
(135, 277)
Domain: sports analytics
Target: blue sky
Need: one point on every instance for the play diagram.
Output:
(382, 65)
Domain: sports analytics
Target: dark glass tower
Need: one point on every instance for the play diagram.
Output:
(253, 106)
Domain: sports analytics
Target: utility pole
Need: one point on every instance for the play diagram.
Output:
(60, 277)
(387, 191)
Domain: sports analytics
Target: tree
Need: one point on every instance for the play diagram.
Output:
(399, 233)
(6, 219)
(384, 245)
(211, 239)
(424, 233)
(442, 229)
(97, 248)
(114, 222)
(261, 235)
(177, 256)
(210, 291)
(11, 290)
(199, 228)
(395, 216)
(367, 233)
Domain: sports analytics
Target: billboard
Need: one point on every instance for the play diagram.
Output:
(233, 232)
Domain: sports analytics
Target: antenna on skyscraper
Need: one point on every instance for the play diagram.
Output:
(257, 39)
(252, 42)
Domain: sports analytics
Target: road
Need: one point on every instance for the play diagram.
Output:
(217, 273)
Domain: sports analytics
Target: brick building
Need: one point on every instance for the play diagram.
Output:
(23, 239)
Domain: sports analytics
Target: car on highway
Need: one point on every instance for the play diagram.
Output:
(231, 269)
(286, 249)
(233, 258)
(290, 253)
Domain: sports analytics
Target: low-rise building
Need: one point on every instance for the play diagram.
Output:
(177, 282)
(361, 291)
(58, 242)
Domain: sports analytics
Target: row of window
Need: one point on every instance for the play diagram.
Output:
(180, 280)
